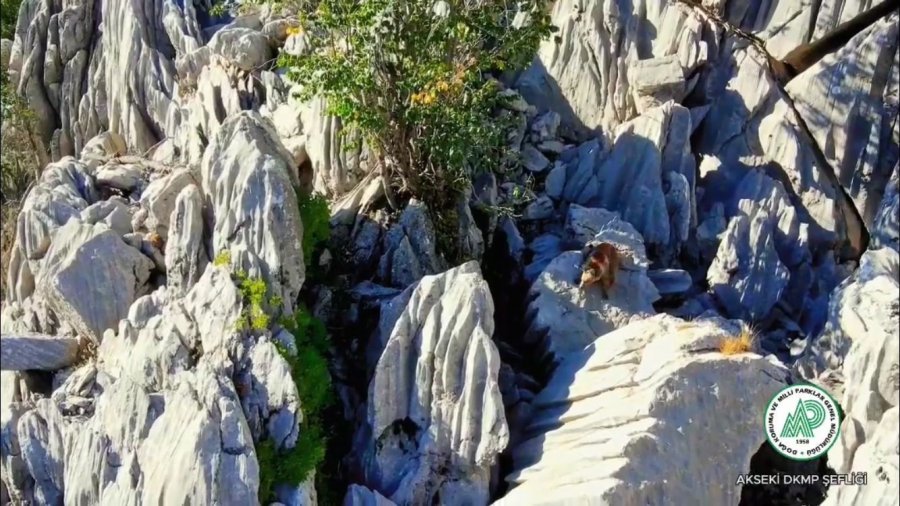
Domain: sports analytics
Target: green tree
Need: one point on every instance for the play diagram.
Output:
(414, 78)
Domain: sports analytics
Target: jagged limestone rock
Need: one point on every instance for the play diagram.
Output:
(435, 388)
(410, 248)
(248, 180)
(21, 352)
(90, 277)
(563, 317)
(186, 256)
(587, 83)
(856, 356)
(626, 405)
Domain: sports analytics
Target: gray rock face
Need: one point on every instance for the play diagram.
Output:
(90, 277)
(857, 355)
(159, 200)
(852, 119)
(247, 49)
(564, 318)
(410, 248)
(336, 166)
(22, 352)
(186, 256)
(435, 412)
(647, 176)
(248, 181)
(656, 81)
(588, 84)
(886, 226)
(358, 495)
(63, 192)
(161, 415)
(624, 402)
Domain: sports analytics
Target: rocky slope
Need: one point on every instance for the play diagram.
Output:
(130, 375)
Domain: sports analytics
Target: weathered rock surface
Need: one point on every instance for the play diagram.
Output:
(435, 414)
(588, 83)
(248, 179)
(647, 175)
(186, 256)
(624, 405)
(857, 355)
(358, 495)
(849, 102)
(87, 264)
(886, 226)
(21, 352)
(410, 248)
(564, 318)
(864, 307)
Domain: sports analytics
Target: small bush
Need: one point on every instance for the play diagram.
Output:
(744, 342)
(254, 316)
(316, 216)
(223, 259)
(415, 82)
(309, 370)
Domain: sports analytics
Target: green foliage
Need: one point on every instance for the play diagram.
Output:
(315, 215)
(9, 13)
(309, 370)
(23, 154)
(21, 161)
(223, 259)
(412, 81)
(219, 9)
(254, 316)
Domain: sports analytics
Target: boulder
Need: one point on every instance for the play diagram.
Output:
(635, 410)
(564, 318)
(90, 277)
(22, 352)
(435, 415)
(246, 48)
(159, 200)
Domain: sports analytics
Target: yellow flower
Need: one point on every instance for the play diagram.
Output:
(442, 86)
(294, 30)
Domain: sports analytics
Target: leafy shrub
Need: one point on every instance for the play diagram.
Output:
(223, 259)
(309, 370)
(22, 155)
(315, 215)
(409, 75)
(253, 316)
(9, 13)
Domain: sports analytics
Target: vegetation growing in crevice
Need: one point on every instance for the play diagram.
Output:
(744, 342)
(315, 216)
(308, 365)
(414, 79)
(21, 162)
(309, 370)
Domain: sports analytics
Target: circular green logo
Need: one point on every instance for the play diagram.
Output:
(802, 422)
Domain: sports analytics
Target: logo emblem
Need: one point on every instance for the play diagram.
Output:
(802, 422)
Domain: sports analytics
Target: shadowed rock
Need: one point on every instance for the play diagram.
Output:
(27, 351)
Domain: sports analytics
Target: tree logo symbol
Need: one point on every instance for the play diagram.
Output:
(802, 422)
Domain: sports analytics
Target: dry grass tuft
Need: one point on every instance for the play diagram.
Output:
(744, 342)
